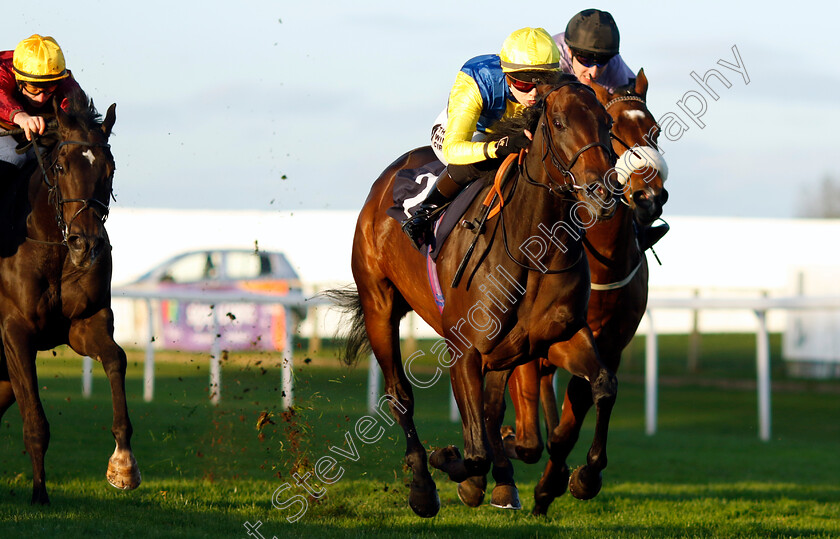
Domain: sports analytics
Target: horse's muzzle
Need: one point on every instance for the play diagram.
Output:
(647, 205)
(600, 199)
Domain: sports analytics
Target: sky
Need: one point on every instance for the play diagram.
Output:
(276, 105)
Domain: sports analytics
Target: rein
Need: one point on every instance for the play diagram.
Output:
(54, 191)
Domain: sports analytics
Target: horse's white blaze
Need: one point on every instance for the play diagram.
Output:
(90, 157)
(634, 114)
(640, 158)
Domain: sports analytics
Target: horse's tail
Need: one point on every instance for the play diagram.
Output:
(356, 341)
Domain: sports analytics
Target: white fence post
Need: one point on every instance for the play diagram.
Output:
(762, 341)
(149, 363)
(651, 377)
(288, 353)
(374, 375)
(87, 376)
(454, 414)
(215, 360)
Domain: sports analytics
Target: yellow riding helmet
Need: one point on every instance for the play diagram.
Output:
(529, 49)
(39, 59)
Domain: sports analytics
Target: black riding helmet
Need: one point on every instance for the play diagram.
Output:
(593, 32)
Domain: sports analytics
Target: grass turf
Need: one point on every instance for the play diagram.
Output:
(207, 470)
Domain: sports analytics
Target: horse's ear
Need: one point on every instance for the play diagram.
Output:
(641, 83)
(110, 118)
(60, 108)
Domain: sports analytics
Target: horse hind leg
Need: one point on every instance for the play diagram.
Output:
(382, 324)
(22, 376)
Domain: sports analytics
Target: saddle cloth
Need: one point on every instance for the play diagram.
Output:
(410, 189)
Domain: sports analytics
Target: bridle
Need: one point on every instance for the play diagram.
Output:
(55, 198)
(610, 103)
(569, 183)
(558, 188)
(619, 99)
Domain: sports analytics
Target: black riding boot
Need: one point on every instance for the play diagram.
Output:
(648, 236)
(418, 227)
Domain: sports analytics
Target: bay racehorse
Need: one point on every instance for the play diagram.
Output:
(525, 292)
(55, 279)
(619, 274)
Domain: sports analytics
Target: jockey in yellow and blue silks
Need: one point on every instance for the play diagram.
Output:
(486, 89)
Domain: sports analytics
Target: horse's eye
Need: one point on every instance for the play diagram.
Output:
(558, 124)
(58, 168)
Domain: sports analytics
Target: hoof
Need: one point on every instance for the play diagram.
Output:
(123, 472)
(506, 497)
(509, 441)
(471, 492)
(39, 496)
(529, 455)
(539, 510)
(551, 485)
(584, 485)
(443, 456)
(425, 502)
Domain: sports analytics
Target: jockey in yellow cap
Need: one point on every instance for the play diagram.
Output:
(487, 88)
(31, 76)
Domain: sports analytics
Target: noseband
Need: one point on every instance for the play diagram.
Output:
(54, 196)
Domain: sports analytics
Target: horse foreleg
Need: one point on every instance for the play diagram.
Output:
(94, 337)
(505, 494)
(581, 359)
(524, 394)
(467, 385)
(20, 361)
(548, 399)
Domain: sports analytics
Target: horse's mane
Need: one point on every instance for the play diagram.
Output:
(627, 89)
(513, 125)
(80, 107)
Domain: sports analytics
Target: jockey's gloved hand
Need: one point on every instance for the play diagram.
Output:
(512, 144)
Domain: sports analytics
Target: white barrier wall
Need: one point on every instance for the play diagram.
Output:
(708, 256)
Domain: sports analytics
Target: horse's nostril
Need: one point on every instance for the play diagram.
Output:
(75, 242)
(641, 197)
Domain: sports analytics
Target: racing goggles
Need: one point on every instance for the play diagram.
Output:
(592, 61)
(523, 87)
(33, 90)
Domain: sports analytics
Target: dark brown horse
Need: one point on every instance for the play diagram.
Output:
(523, 294)
(619, 274)
(55, 280)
